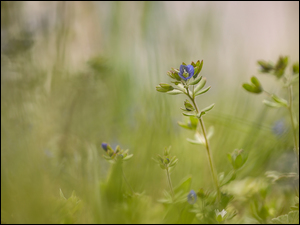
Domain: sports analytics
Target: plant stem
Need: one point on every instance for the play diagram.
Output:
(127, 183)
(290, 108)
(170, 183)
(207, 148)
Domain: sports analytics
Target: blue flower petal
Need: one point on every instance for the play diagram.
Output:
(192, 197)
(182, 67)
(189, 69)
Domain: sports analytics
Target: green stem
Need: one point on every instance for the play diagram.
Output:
(207, 148)
(127, 183)
(170, 183)
(290, 108)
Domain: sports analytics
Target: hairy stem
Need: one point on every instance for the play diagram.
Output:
(207, 148)
(170, 183)
(290, 108)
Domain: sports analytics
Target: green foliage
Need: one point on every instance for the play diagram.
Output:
(290, 218)
(255, 87)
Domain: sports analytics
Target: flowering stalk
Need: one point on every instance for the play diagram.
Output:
(170, 183)
(206, 146)
(185, 77)
(278, 70)
(166, 162)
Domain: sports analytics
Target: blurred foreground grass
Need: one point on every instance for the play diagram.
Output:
(64, 92)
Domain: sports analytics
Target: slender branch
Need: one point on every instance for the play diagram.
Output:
(170, 183)
(207, 147)
(290, 108)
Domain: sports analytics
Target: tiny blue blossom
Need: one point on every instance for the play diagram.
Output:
(186, 72)
(192, 197)
(279, 128)
(104, 146)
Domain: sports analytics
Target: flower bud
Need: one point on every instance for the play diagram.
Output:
(104, 146)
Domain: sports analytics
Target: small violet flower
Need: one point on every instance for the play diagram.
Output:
(186, 72)
(192, 197)
(104, 146)
(279, 128)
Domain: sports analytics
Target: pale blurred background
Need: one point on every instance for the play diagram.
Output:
(75, 74)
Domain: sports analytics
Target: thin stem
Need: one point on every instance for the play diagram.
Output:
(207, 147)
(127, 183)
(290, 108)
(170, 183)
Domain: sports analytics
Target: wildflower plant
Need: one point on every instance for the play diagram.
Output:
(167, 163)
(288, 80)
(116, 157)
(187, 81)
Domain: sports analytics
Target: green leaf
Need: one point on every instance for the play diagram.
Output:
(199, 140)
(188, 105)
(180, 87)
(173, 163)
(228, 178)
(279, 100)
(160, 89)
(194, 121)
(196, 81)
(203, 91)
(255, 81)
(195, 142)
(200, 65)
(203, 111)
(296, 68)
(283, 219)
(238, 162)
(174, 92)
(265, 66)
(200, 85)
(248, 87)
(167, 86)
(198, 68)
(184, 186)
(62, 195)
(170, 74)
(293, 217)
(255, 87)
(210, 132)
(290, 218)
(127, 157)
(280, 66)
(272, 104)
(184, 125)
(229, 158)
(192, 113)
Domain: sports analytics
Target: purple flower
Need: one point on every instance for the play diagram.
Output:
(192, 197)
(104, 146)
(186, 72)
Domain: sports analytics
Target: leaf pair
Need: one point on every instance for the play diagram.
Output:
(254, 87)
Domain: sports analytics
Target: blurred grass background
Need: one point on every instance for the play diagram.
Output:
(76, 74)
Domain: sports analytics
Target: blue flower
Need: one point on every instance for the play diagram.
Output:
(104, 146)
(192, 197)
(186, 72)
(279, 128)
